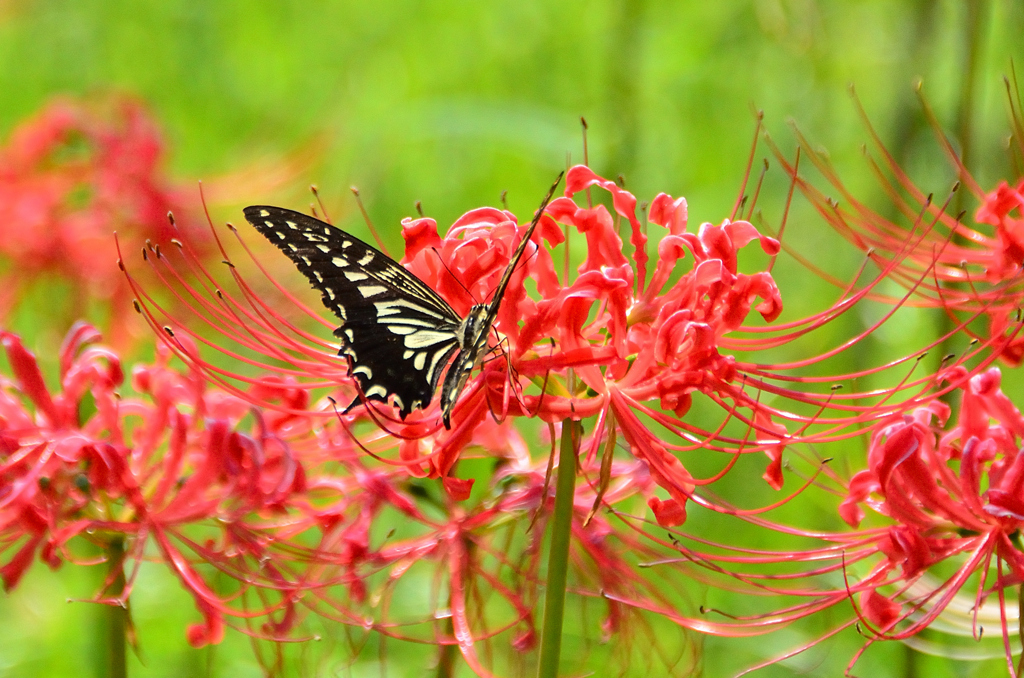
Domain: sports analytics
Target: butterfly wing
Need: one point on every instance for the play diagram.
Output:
(396, 332)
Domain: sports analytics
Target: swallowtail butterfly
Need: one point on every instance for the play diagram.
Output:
(396, 332)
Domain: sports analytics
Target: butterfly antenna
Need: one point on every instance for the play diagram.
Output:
(513, 263)
(454, 277)
(323, 210)
(369, 222)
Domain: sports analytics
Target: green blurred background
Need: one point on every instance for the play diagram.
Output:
(451, 103)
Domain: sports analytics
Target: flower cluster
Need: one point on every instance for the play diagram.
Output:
(289, 508)
(70, 177)
(85, 462)
(615, 344)
(627, 341)
(638, 346)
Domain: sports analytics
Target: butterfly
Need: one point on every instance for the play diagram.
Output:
(397, 333)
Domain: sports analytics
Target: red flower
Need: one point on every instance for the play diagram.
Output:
(1004, 209)
(69, 178)
(639, 350)
(482, 555)
(293, 512)
(942, 259)
(628, 348)
(627, 342)
(953, 497)
(145, 469)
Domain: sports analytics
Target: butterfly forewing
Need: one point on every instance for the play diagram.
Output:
(397, 333)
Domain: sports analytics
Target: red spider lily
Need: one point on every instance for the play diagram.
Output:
(639, 348)
(625, 348)
(1004, 209)
(969, 270)
(684, 321)
(950, 497)
(954, 497)
(71, 176)
(150, 470)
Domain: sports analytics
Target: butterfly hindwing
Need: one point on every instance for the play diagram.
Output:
(397, 333)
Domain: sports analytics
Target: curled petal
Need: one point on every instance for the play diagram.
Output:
(30, 379)
(879, 610)
(669, 213)
(419, 234)
(669, 513)
(580, 177)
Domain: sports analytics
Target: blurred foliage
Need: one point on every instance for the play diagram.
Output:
(451, 103)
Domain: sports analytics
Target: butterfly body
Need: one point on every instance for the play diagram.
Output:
(473, 342)
(397, 333)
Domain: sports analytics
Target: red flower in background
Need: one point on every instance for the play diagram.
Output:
(954, 497)
(969, 270)
(292, 511)
(482, 556)
(1004, 209)
(69, 178)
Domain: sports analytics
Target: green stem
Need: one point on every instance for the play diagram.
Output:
(1020, 625)
(975, 31)
(558, 558)
(448, 654)
(117, 615)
